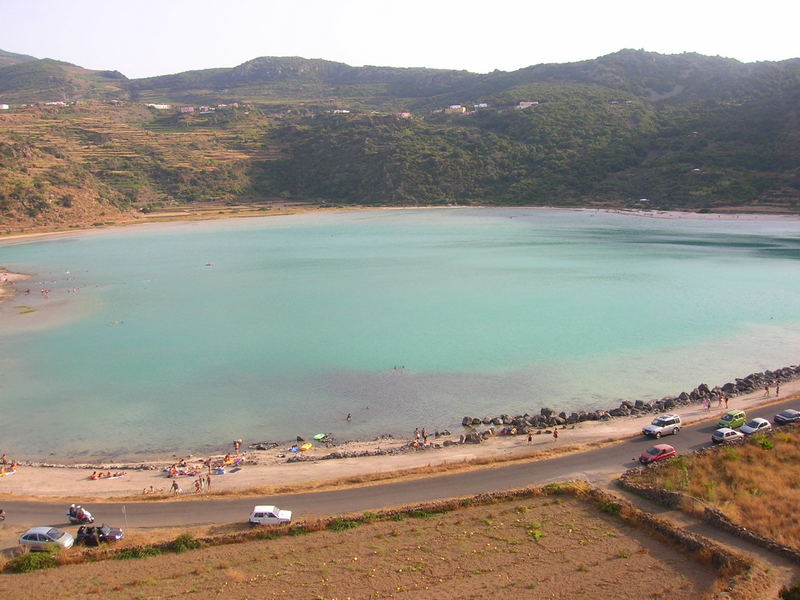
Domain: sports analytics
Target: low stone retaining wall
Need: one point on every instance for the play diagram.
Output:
(711, 515)
(735, 571)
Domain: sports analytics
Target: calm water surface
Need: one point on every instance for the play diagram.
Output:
(184, 337)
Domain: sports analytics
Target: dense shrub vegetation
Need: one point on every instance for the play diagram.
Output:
(628, 129)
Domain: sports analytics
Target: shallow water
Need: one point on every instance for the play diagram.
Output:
(183, 337)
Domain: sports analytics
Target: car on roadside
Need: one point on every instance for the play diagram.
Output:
(92, 535)
(270, 515)
(787, 416)
(757, 425)
(732, 419)
(657, 453)
(726, 434)
(663, 425)
(44, 539)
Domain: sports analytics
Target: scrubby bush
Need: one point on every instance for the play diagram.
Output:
(139, 552)
(32, 561)
(340, 524)
(184, 542)
(612, 508)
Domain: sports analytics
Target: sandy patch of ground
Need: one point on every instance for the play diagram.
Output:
(537, 547)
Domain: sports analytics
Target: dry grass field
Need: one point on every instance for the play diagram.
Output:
(535, 547)
(750, 483)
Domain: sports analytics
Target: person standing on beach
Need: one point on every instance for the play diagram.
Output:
(766, 391)
(777, 388)
(175, 489)
(530, 437)
(726, 401)
(555, 434)
(208, 482)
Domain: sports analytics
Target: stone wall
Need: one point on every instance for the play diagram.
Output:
(711, 515)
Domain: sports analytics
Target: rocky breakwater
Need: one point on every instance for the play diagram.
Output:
(548, 418)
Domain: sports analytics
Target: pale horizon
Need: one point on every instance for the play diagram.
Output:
(150, 39)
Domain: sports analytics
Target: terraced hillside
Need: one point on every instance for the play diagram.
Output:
(631, 129)
(99, 161)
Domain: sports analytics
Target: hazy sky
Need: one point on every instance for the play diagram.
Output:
(145, 37)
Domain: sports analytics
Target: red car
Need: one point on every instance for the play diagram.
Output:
(656, 453)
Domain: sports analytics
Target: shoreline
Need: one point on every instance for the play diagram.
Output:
(354, 463)
(8, 284)
(254, 212)
(379, 455)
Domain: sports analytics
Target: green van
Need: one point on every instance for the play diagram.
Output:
(732, 419)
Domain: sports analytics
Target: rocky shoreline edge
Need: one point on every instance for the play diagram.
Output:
(524, 424)
(547, 417)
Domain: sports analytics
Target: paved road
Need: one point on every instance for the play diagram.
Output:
(598, 466)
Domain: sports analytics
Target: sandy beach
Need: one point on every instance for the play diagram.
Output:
(263, 471)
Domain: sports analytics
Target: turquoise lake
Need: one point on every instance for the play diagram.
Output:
(183, 337)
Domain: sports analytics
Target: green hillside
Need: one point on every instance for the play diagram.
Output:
(629, 129)
(49, 80)
(11, 58)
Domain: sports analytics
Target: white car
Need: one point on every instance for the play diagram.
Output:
(45, 538)
(269, 515)
(726, 434)
(755, 425)
(663, 425)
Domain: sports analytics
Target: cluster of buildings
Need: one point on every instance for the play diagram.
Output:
(202, 110)
(458, 109)
(53, 103)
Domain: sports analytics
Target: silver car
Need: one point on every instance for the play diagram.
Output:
(45, 538)
(726, 434)
(663, 425)
(756, 425)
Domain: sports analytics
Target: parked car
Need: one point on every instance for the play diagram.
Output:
(787, 416)
(656, 453)
(92, 535)
(732, 419)
(726, 434)
(45, 538)
(663, 425)
(756, 425)
(270, 515)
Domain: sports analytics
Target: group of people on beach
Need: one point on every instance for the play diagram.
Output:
(107, 475)
(721, 398)
(7, 466)
(420, 438)
(777, 389)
